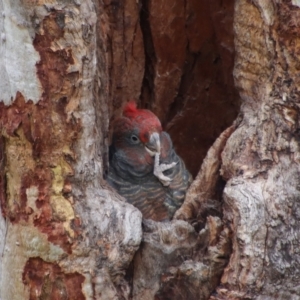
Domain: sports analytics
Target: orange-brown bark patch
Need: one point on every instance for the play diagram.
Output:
(2, 178)
(48, 280)
(46, 135)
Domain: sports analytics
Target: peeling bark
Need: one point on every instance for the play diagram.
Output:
(67, 68)
(46, 279)
(66, 232)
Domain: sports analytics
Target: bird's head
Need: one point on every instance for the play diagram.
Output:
(138, 128)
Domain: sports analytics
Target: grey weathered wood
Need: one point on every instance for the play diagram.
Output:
(261, 160)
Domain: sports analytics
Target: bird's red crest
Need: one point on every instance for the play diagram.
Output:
(130, 110)
(146, 120)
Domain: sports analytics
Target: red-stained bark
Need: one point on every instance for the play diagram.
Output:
(2, 178)
(46, 280)
(46, 134)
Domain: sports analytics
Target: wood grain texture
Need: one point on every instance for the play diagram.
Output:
(260, 160)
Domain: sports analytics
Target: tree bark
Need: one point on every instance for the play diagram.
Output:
(260, 160)
(64, 234)
(67, 68)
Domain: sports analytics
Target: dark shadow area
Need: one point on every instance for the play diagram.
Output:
(190, 87)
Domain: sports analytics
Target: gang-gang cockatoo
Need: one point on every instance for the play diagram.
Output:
(144, 168)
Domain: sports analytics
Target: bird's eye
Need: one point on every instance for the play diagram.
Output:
(134, 139)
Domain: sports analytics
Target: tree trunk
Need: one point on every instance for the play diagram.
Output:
(67, 68)
(261, 158)
(64, 234)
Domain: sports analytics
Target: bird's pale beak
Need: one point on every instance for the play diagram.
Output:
(153, 146)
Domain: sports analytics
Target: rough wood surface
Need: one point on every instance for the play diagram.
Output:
(176, 262)
(63, 232)
(67, 67)
(261, 160)
(203, 189)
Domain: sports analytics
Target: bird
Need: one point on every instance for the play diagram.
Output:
(143, 165)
